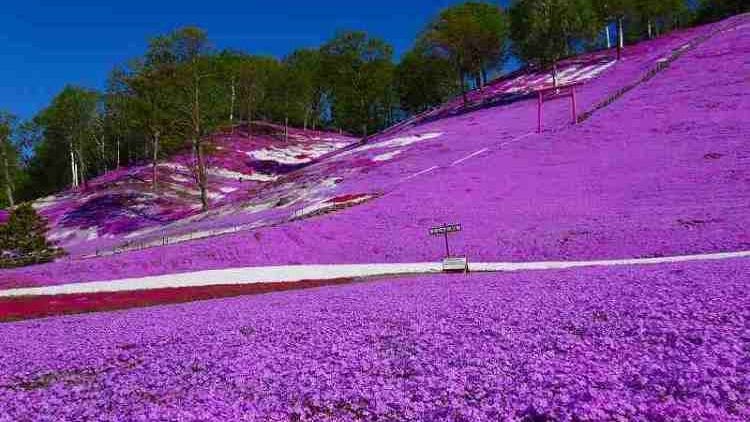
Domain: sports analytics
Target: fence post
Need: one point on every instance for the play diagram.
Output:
(539, 114)
(575, 105)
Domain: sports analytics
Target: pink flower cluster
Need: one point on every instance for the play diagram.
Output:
(643, 344)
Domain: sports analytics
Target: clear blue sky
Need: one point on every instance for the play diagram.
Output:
(45, 44)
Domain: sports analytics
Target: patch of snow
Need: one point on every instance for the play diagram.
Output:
(399, 142)
(226, 173)
(295, 154)
(260, 177)
(387, 156)
(175, 167)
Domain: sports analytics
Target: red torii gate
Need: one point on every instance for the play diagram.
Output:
(560, 91)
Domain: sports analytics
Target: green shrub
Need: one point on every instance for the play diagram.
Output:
(23, 239)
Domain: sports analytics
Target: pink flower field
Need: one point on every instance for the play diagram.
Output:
(675, 183)
(666, 343)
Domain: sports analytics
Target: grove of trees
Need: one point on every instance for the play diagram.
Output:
(183, 89)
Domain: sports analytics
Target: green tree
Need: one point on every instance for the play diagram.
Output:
(23, 238)
(614, 11)
(67, 131)
(255, 78)
(473, 36)
(652, 15)
(544, 31)
(358, 71)
(197, 78)
(424, 80)
(8, 157)
(715, 10)
(303, 68)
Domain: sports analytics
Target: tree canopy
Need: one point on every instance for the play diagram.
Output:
(472, 35)
(544, 31)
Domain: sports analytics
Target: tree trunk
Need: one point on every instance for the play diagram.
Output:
(6, 174)
(232, 101)
(73, 168)
(620, 39)
(198, 142)
(81, 169)
(609, 39)
(250, 115)
(286, 129)
(154, 160)
(117, 154)
(462, 82)
(650, 30)
(554, 74)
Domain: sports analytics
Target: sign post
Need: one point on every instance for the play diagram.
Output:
(444, 230)
(450, 263)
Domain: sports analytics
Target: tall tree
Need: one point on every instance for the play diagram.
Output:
(8, 156)
(358, 71)
(544, 31)
(197, 77)
(68, 129)
(614, 11)
(653, 14)
(255, 76)
(714, 10)
(153, 91)
(473, 36)
(304, 71)
(424, 80)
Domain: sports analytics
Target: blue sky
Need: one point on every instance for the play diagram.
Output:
(45, 44)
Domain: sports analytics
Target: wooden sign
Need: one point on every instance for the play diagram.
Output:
(445, 229)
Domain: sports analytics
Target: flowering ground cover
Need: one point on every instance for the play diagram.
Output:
(661, 343)
(30, 307)
(677, 182)
(116, 208)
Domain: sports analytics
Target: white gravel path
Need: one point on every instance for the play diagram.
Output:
(298, 273)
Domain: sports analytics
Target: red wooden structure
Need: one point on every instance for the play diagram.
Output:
(560, 91)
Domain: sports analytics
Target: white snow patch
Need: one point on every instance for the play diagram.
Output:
(260, 177)
(226, 173)
(387, 156)
(175, 167)
(295, 154)
(403, 141)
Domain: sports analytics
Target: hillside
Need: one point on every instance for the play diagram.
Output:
(674, 183)
(122, 204)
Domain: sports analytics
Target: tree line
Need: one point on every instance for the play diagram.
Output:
(182, 89)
